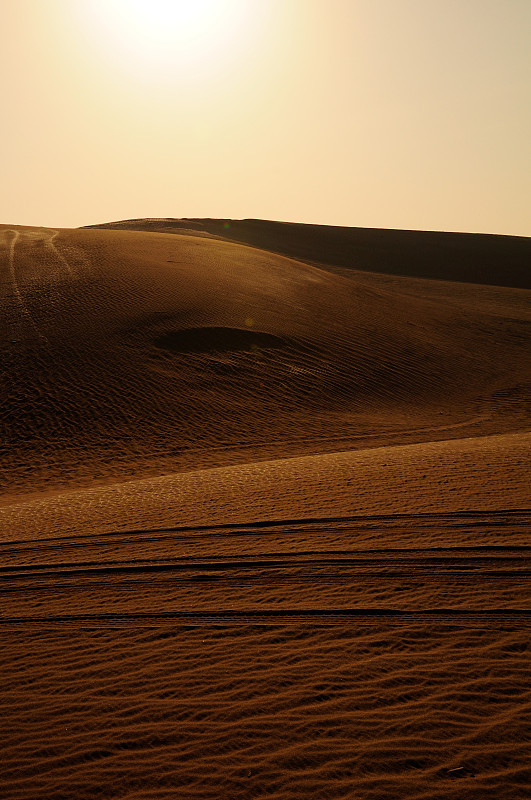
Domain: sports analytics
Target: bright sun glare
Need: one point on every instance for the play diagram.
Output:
(184, 35)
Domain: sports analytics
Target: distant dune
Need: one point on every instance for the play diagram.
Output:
(264, 529)
(471, 258)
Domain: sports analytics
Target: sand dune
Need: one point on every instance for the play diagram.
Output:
(140, 353)
(473, 258)
(264, 529)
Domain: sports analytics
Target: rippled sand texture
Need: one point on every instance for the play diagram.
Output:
(264, 530)
(354, 709)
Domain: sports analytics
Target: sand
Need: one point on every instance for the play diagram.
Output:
(264, 528)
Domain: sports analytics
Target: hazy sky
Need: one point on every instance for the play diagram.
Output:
(378, 113)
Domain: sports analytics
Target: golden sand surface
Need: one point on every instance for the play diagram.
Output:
(265, 513)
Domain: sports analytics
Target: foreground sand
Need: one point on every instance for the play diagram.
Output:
(265, 526)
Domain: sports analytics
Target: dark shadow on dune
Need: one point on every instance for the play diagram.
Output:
(218, 340)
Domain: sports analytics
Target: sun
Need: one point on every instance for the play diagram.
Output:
(176, 35)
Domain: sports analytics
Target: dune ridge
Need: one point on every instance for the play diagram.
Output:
(442, 255)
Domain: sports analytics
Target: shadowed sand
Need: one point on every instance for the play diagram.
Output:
(265, 522)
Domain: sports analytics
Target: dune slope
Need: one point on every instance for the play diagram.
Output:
(131, 353)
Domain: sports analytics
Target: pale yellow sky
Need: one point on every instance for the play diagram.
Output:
(376, 113)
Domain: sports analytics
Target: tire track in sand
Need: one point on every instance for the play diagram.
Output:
(60, 257)
(329, 574)
(12, 238)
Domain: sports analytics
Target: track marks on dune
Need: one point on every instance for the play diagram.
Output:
(12, 237)
(475, 564)
(458, 529)
(40, 273)
(50, 243)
